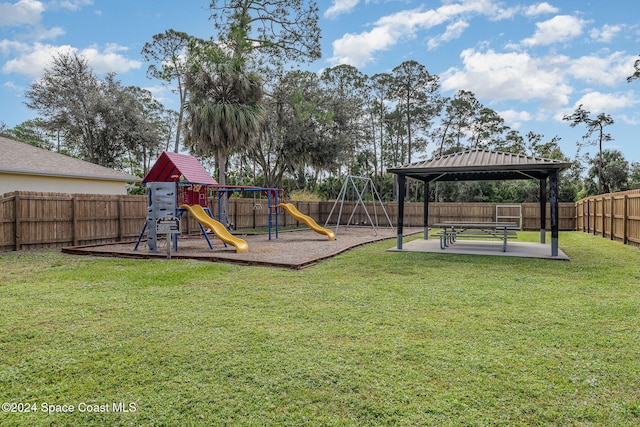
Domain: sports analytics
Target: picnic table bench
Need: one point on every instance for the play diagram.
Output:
(451, 230)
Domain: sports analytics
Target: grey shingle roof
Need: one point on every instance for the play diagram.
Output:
(21, 158)
(481, 165)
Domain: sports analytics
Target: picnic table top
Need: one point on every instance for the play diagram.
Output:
(476, 224)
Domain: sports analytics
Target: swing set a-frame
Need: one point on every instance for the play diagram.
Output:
(358, 188)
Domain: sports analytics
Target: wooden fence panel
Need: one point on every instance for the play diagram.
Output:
(7, 222)
(580, 212)
(36, 220)
(43, 220)
(615, 216)
(96, 219)
(633, 218)
(32, 220)
(133, 212)
(617, 223)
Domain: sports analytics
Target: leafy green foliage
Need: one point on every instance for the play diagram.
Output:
(99, 120)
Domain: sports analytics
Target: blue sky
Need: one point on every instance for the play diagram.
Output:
(531, 61)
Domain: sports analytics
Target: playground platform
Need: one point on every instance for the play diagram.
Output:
(292, 249)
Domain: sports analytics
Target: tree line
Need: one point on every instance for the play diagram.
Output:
(248, 108)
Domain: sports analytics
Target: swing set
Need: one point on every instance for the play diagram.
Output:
(357, 189)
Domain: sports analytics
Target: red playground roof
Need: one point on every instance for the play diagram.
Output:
(170, 166)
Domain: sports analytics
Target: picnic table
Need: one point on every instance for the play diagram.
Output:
(451, 230)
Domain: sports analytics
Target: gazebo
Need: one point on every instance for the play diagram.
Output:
(477, 164)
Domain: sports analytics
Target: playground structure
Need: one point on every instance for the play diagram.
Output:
(274, 196)
(178, 184)
(306, 219)
(358, 188)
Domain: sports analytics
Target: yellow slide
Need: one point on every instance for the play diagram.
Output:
(217, 227)
(299, 216)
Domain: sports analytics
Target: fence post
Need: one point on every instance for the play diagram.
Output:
(594, 216)
(74, 220)
(18, 214)
(625, 220)
(119, 210)
(604, 218)
(612, 222)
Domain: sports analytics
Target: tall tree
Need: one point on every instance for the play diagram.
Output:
(291, 131)
(98, 119)
(414, 90)
(168, 53)
(634, 175)
(344, 87)
(224, 107)
(33, 132)
(280, 30)
(512, 142)
(457, 123)
(488, 128)
(379, 88)
(594, 125)
(614, 170)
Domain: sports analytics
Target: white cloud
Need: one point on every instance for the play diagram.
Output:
(540, 9)
(11, 85)
(510, 76)
(33, 62)
(359, 49)
(454, 31)
(341, 6)
(109, 60)
(514, 119)
(606, 34)
(598, 102)
(71, 4)
(39, 32)
(20, 13)
(609, 70)
(8, 46)
(558, 29)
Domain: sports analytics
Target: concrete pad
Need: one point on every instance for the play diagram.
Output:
(475, 247)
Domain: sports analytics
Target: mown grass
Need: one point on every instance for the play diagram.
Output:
(367, 338)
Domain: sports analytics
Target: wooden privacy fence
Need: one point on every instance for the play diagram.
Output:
(614, 215)
(30, 220)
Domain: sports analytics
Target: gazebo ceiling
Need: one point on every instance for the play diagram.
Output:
(474, 165)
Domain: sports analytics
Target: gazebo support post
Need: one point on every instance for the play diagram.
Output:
(543, 210)
(425, 214)
(553, 201)
(401, 190)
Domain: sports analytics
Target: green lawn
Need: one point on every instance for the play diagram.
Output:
(366, 338)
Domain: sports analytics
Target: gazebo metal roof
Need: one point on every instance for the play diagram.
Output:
(478, 164)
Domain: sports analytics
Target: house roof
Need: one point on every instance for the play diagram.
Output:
(20, 158)
(171, 166)
(473, 165)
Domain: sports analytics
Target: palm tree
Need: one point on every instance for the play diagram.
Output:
(225, 111)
